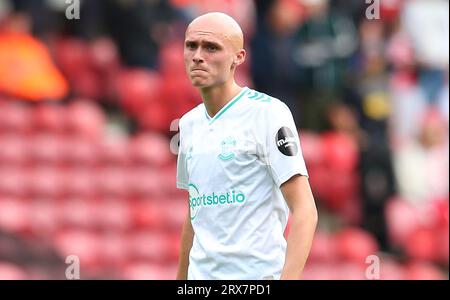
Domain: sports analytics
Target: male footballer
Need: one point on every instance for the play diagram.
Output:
(241, 162)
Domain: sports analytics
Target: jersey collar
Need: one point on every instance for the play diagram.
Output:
(226, 106)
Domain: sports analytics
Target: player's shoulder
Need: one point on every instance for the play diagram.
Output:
(192, 115)
(260, 101)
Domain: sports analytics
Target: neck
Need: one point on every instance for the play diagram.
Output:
(218, 96)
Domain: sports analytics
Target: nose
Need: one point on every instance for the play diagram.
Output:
(197, 58)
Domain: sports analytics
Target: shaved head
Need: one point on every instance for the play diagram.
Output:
(219, 24)
(213, 49)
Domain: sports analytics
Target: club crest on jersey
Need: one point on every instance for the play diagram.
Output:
(286, 142)
(228, 146)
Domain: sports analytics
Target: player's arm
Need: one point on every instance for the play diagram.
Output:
(187, 236)
(300, 200)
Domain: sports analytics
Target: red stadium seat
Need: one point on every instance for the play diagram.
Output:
(311, 147)
(88, 84)
(150, 245)
(14, 150)
(79, 213)
(338, 192)
(114, 214)
(39, 273)
(167, 179)
(440, 212)
(137, 88)
(442, 207)
(147, 214)
(82, 243)
(46, 182)
(341, 189)
(80, 152)
(320, 271)
(14, 215)
(104, 55)
(170, 271)
(391, 270)
(391, 10)
(151, 149)
(144, 182)
(45, 218)
(10, 271)
(114, 152)
(81, 63)
(401, 219)
(442, 250)
(72, 54)
(114, 250)
(323, 248)
(47, 149)
(183, 96)
(155, 116)
(15, 118)
(85, 118)
(175, 244)
(146, 271)
(48, 118)
(422, 245)
(171, 59)
(112, 182)
(13, 181)
(351, 271)
(423, 271)
(340, 151)
(317, 177)
(355, 245)
(80, 182)
(174, 212)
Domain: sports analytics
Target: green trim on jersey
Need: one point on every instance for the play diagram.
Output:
(257, 96)
(226, 107)
(207, 116)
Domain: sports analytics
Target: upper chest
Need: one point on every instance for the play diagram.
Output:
(223, 140)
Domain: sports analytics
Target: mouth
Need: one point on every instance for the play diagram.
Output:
(198, 69)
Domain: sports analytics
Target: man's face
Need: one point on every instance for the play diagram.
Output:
(208, 57)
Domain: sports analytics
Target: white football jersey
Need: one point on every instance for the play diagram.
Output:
(233, 165)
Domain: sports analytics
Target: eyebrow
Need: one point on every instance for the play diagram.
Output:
(204, 42)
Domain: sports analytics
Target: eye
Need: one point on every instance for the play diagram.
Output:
(191, 46)
(211, 47)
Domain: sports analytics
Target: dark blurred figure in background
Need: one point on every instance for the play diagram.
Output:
(272, 62)
(143, 27)
(138, 27)
(371, 99)
(323, 44)
(422, 164)
(27, 69)
(39, 259)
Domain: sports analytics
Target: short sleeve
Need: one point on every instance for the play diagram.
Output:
(281, 144)
(182, 173)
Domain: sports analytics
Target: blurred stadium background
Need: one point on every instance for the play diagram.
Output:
(86, 107)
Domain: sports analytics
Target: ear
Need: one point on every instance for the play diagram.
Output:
(239, 58)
